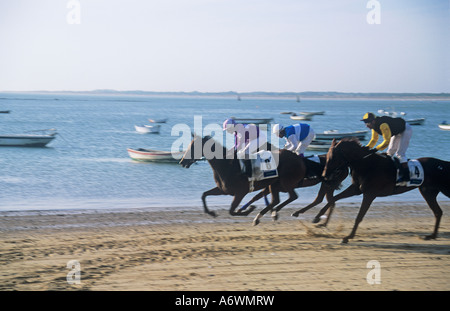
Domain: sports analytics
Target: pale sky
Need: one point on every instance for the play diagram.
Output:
(225, 45)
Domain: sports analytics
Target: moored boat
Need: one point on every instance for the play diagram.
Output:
(152, 155)
(444, 126)
(26, 140)
(334, 134)
(252, 120)
(146, 129)
(418, 121)
(319, 145)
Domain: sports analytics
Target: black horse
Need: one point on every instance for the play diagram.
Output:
(230, 180)
(374, 175)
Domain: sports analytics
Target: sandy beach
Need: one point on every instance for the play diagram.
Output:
(190, 251)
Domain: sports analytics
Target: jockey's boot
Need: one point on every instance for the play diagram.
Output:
(404, 173)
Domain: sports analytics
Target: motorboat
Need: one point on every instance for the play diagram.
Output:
(148, 129)
(335, 134)
(152, 155)
(444, 126)
(313, 113)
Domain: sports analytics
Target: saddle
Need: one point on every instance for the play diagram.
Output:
(416, 173)
(261, 167)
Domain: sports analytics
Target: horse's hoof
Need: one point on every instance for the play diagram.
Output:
(213, 214)
(344, 241)
(274, 216)
(295, 214)
(255, 222)
(429, 237)
(316, 220)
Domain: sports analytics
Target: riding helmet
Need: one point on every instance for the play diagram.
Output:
(368, 117)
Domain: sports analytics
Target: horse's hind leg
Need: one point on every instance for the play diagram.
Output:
(213, 191)
(254, 199)
(430, 195)
(330, 210)
(292, 197)
(316, 201)
(275, 201)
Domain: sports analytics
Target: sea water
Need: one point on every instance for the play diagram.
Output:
(87, 166)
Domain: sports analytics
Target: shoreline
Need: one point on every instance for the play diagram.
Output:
(190, 251)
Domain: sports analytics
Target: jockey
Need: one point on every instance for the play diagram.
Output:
(396, 134)
(298, 136)
(248, 139)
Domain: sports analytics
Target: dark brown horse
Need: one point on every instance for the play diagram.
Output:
(230, 180)
(313, 177)
(374, 175)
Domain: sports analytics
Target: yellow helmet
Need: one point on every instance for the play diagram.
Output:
(368, 117)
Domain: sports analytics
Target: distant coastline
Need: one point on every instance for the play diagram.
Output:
(243, 95)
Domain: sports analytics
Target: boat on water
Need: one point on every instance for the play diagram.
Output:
(152, 155)
(418, 121)
(297, 117)
(158, 120)
(147, 129)
(252, 120)
(312, 113)
(319, 145)
(335, 134)
(26, 140)
(444, 126)
(5, 111)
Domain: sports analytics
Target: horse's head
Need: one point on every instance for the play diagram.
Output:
(193, 153)
(336, 162)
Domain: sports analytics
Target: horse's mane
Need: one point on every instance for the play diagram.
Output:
(353, 141)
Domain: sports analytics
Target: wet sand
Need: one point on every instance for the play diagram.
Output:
(190, 251)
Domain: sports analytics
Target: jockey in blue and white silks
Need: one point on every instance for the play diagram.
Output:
(298, 136)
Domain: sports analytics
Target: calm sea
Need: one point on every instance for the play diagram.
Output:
(87, 166)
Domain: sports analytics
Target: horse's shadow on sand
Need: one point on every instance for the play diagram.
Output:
(422, 246)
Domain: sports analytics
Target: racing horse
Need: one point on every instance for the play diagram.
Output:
(374, 175)
(230, 180)
(313, 177)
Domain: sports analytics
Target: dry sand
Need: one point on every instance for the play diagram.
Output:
(190, 251)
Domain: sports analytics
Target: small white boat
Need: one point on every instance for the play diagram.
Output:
(319, 145)
(146, 129)
(418, 121)
(26, 140)
(151, 155)
(158, 120)
(444, 126)
(313, 113)
(252, 120)
(334, 134)
(296, 117)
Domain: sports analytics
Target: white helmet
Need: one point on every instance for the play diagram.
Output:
(277, 128)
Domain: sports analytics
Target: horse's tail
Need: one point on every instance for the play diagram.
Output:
(438, 173)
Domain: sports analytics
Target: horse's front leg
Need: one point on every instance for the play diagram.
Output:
(367, 200)
(351, 190)
(213, 191)
(236, 200)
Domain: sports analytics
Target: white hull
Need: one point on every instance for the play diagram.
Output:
(26, 140)
(319, 145)
(146, 129)
(444, 127)
(301, 118)
(151, 155)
